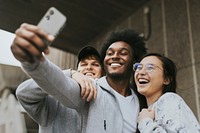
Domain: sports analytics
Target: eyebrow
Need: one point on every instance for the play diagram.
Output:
(93, 61)
(120, 49)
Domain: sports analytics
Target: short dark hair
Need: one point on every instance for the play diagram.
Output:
(169, 70)
(130, 37)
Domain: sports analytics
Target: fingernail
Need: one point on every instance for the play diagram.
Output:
(51, 37)
(46, 51)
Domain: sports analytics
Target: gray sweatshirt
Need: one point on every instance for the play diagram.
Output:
(98, 116)
(51, 115)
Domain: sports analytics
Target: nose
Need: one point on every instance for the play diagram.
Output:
(142, 71)
(89, 66)
(115, 56)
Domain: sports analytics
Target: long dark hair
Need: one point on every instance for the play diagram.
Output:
(169, 70)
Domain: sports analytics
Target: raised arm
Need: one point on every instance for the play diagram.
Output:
(28, 48)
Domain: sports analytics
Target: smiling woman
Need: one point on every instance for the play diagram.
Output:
(167, 111)
(6, 57)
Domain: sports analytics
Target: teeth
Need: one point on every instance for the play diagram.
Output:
(115, 65)
(89, 74)
(143, 80)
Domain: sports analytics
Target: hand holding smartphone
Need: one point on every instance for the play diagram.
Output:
(52, 22)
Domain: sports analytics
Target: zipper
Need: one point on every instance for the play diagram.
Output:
(104, 112)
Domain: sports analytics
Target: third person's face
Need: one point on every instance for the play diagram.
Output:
(90, 67)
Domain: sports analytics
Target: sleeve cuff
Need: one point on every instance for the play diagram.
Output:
(30, 66)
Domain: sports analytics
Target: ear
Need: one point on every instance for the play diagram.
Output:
(166, 81)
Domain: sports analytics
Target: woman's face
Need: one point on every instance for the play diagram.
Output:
(149, 77)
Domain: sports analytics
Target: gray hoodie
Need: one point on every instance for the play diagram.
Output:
(51, 115)
(98, 116)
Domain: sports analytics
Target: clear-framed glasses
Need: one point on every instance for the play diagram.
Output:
(148, 67)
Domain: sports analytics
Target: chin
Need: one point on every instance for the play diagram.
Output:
(141, 90)
(117, 76)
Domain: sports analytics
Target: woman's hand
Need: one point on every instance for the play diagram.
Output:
(146, 113)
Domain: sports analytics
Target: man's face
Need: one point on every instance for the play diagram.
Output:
(118, 60)
(90, 66)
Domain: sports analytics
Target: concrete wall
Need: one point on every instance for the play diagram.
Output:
(175, 33)
(63, 59)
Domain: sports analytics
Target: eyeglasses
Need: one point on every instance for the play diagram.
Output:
(148, 67)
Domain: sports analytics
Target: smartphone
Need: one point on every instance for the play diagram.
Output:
(52, 22)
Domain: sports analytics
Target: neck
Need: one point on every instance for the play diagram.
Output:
(153, 98)
(121, 86)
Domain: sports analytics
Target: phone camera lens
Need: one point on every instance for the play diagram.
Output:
(47, 17)
(51, 12)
